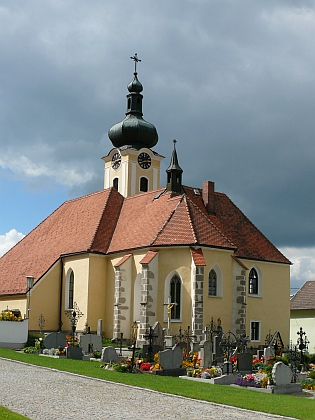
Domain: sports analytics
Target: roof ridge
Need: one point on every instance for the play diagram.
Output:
(190, 220)
(167, 221)
(100, 219)
(211, 223)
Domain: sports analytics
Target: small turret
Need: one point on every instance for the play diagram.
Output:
(174, 174)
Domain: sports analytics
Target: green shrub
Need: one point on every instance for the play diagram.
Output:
(312, 374)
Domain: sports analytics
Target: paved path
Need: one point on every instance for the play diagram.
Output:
(48, 394)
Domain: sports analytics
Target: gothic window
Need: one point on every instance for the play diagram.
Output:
(255, 330)
(144, 184)
(212, 284)
(71, 290)
(253, 282)
(115, 183)
(175, 293)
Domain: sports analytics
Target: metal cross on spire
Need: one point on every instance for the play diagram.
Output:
(136, 60)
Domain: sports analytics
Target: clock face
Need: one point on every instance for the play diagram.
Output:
(144, 160)
(116, 160)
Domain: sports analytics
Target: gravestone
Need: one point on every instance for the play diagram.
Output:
(268, 351)
(171, 358)
(55, 340)
(244, 362)
(74, 353)
(109, 355)
(227, 368)
(99, 327)
(206, 354)
(159, 333)
(281, 374)
(218, 355)
(90, 342)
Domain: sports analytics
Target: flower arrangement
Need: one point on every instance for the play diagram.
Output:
(190, 360)
(212, 372)
(10, 316)
(308, 384)
(145, 366)
(256, 380)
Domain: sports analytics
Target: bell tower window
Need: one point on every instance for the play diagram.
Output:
(144, 184)
(115, 183)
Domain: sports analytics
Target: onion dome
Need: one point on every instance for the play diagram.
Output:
(133, 130)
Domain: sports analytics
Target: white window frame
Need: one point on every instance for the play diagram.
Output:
(67, 288)
(259, 294)
(218, 272)
(167, 293)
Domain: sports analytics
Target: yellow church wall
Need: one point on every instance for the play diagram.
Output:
(179, 260)
(14, 302)
(97, 290)
(110, 295)
(218, 306)
(80, 266)
(272, 307)
(48, 286)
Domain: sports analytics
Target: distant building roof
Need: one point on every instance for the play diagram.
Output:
(305, 297)
(105, 222)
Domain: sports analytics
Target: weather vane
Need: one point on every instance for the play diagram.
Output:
(136, 60)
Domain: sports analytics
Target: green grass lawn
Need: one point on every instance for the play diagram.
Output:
(6, 414)
(286, 405)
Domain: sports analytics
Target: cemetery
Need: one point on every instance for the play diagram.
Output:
(220, 358)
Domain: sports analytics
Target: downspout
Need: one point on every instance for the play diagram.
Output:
(60, 294)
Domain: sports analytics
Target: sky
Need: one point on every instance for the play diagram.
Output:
(232, 81)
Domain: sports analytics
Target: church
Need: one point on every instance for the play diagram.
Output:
(122, 253)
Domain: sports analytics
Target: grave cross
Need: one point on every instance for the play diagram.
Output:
(169, 306)
(151, 336)
(134, 335)
(74, 315)
(41, 323)
(120, 341)
(188, 337)
(293, 359)
(303, 345)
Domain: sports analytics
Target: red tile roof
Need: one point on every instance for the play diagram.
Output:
(148, 257)
(305, 297)
(198, 257)
(122, 260)
(73, 228)
(105, 222)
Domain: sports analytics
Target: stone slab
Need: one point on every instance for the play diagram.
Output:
(171, 358)
(109, 354)
(74, 353)
(55, 340)
(90, 340)
(281, 374)
(170, 372)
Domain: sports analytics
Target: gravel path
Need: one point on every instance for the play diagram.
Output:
(48, 394)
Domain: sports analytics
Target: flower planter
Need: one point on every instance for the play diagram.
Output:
(13, 335)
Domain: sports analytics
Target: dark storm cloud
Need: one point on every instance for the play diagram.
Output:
(231, 81)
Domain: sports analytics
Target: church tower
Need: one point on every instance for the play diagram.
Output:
(132, 166)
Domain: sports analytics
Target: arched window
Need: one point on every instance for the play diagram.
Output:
(212, 283)
(253, 286)
(144, 184)
(175, 293)
(115, 183)
(71, 290)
